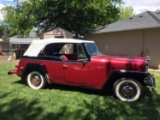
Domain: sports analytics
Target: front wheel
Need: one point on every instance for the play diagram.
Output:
(35, 80)
(127, 90)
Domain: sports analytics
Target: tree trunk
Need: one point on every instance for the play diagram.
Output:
(76, 35)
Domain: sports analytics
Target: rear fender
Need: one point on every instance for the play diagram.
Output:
(35, 67)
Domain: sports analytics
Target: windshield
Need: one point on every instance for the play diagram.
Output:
(92, 49)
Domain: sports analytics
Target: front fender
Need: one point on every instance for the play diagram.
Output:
(141, 77)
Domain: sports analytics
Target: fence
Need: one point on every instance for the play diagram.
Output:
(10, 52)
(5, 52)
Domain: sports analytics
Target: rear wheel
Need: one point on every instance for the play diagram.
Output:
(35, 80)
(127, 90)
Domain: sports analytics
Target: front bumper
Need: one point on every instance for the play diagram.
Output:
(150, 81)
(12, 72)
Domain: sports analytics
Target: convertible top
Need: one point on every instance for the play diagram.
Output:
(37, 45)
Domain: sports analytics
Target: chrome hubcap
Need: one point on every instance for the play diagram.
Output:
(127, 91)
(35, 80)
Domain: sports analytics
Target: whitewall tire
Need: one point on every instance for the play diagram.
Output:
(127, 90)
(35, 80)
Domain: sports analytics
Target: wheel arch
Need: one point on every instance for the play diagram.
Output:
(35, 67)
(123, 74)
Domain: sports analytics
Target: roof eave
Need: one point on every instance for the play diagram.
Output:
(124, 30)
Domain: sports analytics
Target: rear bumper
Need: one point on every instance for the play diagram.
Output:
(12, 72)
(150, 80)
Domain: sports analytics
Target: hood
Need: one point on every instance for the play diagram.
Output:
(125, 63)
(118, 58)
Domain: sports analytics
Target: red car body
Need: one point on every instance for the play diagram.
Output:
(95, 71)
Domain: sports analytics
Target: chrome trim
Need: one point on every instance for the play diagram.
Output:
(47, 78)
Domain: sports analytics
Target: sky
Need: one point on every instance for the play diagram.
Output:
(3, 3)
(139, 6)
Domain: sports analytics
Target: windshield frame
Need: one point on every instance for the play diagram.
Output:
(92, 49)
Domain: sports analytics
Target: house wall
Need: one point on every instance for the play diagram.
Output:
(58, 32)
(152, 45)
(130, 43)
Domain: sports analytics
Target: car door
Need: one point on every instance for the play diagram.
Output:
(78, 71)
(56, 71)
(53, 63)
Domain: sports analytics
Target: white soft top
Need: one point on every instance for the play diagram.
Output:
(37, 45)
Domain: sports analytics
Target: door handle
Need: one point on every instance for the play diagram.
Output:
(65, 66)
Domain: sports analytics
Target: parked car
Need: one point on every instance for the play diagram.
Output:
(79, 63)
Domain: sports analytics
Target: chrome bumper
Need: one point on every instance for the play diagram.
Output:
(150, 81)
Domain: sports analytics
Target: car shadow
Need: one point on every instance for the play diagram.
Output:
(143, 109)
(72, 88)
(78, 89)
(102, 108)
(101, 92)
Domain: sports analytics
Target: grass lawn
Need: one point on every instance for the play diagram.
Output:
(19, 102)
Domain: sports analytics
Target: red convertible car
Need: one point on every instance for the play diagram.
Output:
(79, 63)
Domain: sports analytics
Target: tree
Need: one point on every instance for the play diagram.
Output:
(5, 30)
(17, 19)
(78, 16)
(126, 12)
